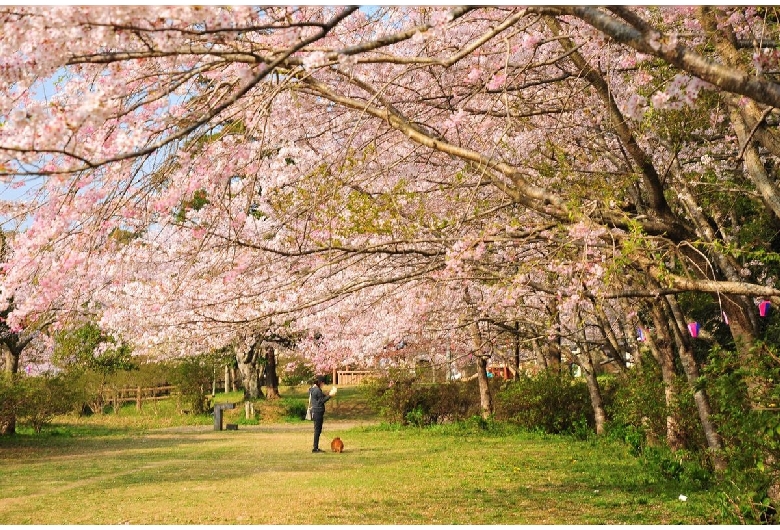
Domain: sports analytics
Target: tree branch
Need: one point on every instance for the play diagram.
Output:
(664, 47)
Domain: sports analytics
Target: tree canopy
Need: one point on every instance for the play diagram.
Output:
(444, 177)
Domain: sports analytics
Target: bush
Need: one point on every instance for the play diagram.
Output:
(36, 400)
(295, 408)
(684, 467)
(92, 386)
(546, 402)
(638, 409)
(549, 402)
(193, 376)
(45, 397)
(629, 435)
(746, 506)
(744, 395)
(400, 399)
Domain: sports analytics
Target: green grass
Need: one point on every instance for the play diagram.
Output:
(136, 472)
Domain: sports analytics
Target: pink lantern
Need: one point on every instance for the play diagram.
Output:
(763, 307)
(694, 327)
(725, 318)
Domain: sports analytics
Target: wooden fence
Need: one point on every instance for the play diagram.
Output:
(117, 396)
(351, 377)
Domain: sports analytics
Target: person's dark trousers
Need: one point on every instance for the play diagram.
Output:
(318, 417)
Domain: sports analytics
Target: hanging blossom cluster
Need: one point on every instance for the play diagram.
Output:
(681, 92)
(766, 59)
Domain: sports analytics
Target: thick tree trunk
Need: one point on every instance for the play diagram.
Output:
(250, 374)
(11, 361)
(233, 378)
(8, 425)
(584, 360)
(553, 351)
(553, 357)
(11, 357)
(485, 399)
(541, 359)
(742, 322)
(271, 379)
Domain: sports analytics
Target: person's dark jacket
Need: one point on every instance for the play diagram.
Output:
(318, 399)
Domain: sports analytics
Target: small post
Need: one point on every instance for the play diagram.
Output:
(217, 418)
(335, 376)
(218, 414)
(138, 399)
(227, 379)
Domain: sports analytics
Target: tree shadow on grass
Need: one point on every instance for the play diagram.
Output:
(76, 440)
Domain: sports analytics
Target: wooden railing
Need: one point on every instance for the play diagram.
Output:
(138, 394)
(352, 377)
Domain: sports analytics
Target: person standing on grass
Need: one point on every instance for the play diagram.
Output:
(317, 398)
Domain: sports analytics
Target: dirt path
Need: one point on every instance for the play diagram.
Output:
(272, 427)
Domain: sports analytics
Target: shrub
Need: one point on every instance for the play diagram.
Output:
(745, 396)
(193, 376)
(400, 399)
(44, 397)
(92, 387)
(295, 408)
(684, 467)
(36, 400)
(550, 402)
(638, 409)
(746, 506)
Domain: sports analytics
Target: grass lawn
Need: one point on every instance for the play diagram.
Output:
(109, 470)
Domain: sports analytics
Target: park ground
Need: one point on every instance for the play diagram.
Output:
(114, 469)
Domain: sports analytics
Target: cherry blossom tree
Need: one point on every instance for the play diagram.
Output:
(204, 176)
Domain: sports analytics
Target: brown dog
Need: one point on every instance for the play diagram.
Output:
(337, 445)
